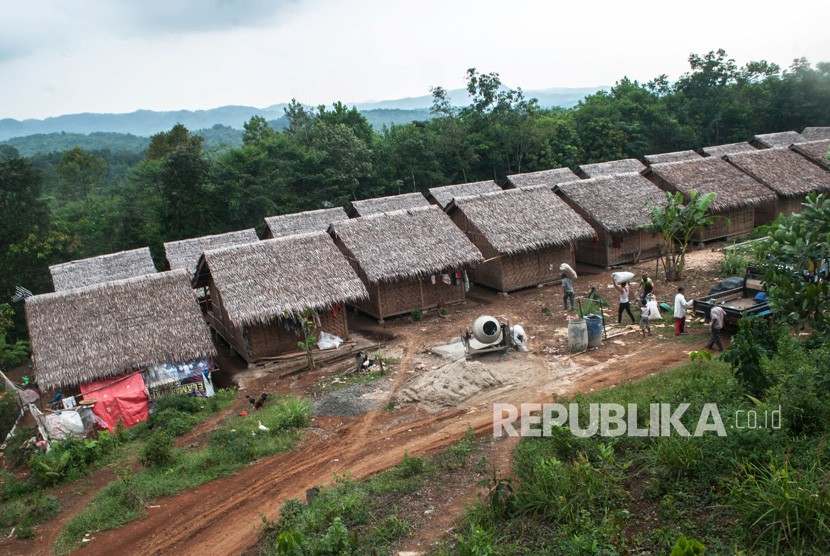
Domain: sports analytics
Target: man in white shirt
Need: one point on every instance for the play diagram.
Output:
(680, 306)
(717, 314)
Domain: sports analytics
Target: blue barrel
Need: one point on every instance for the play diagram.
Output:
(594, 323)
(577, 335)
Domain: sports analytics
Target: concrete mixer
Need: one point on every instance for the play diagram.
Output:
(487, 335)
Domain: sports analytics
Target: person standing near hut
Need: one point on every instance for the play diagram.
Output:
(680, 306)
(625, 303)
(716, 315)
(568, 291)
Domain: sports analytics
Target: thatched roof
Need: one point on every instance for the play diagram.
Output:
(619, 204)
(405, 243)
(780, 139)
(387, 204)
(260, 282)
(611, 167)
(443, 195)
(303, 222)
(519, 220)
(815, 151)
(105, 268)
(545, 177)
(676, 156)
(733, 188)
(729, 148)
(784, 171)
(87, 334)
(185, 253)
(816, 133)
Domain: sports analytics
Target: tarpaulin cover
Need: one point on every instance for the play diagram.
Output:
(119, 398)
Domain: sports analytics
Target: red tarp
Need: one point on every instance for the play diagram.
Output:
(119, 398)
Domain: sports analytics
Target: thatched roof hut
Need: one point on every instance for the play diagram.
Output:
(619, 208)
(733, 188)
(260, 282)
(398, 255)
(258, 292)
(611, 167)
(789, 174)
(405, 244)
(816, 151)
(525, 234)
(545, 177)
(780, 139)
(728, 148)
(105, 268)
(186, 253)
(677, 156)
(443, 195)
(619, 204)
(302, 222)
(105, 330)
(816, 133)
(387, 204)
(737, 194)
(520, 220)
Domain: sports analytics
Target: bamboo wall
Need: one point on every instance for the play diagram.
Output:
(641, 245)
(257, 342)
(740, 223)
(766, 213)
(507, 273)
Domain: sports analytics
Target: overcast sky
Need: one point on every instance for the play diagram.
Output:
(61, 57)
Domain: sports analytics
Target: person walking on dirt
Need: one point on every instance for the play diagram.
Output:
(680, 306)
(568, 291)
(716, 316)
(644, 316)
(625, 304)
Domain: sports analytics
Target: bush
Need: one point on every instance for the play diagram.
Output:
(174, 422)
(733, 264)
(9, 412)
(69, 459)
(782, 507)
(417, 314)
(157, 451)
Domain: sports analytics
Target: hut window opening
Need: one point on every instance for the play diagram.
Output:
(616, 241)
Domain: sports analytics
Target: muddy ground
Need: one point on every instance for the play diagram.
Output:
(419, 408)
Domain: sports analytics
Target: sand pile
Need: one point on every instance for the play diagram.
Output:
(449, 385)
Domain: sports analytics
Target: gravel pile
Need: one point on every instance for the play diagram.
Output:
(351, 400)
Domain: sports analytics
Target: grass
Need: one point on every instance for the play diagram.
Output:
(365, 517)
(238, 442)
(755, 490)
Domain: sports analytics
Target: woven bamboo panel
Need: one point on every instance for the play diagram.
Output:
(441, 293)
(765, 213)
(791, 205)
(593, 252)
(535, 267)
(740, 223)
(397, 298)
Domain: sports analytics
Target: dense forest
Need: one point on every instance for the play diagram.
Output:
(79, 203)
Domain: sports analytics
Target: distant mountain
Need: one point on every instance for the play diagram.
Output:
(220, 126)
(557, 96)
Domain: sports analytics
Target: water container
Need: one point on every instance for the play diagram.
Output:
(577, 335)
(594, 325)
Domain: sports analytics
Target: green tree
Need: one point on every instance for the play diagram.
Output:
(677, 223)
(795, 262)
(80, 174)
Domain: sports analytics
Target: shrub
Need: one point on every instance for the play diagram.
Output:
(781, 506)
(733, 264)
(9, 412)
(417, 314)
(173, 421)
(410, 466)
(157, 451)
(687, 547)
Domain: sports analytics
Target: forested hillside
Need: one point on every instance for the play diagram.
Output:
(84, 202)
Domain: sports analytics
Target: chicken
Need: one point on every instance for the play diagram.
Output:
(259, 402)
(262, 427)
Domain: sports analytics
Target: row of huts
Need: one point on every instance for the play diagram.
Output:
(114, 314)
